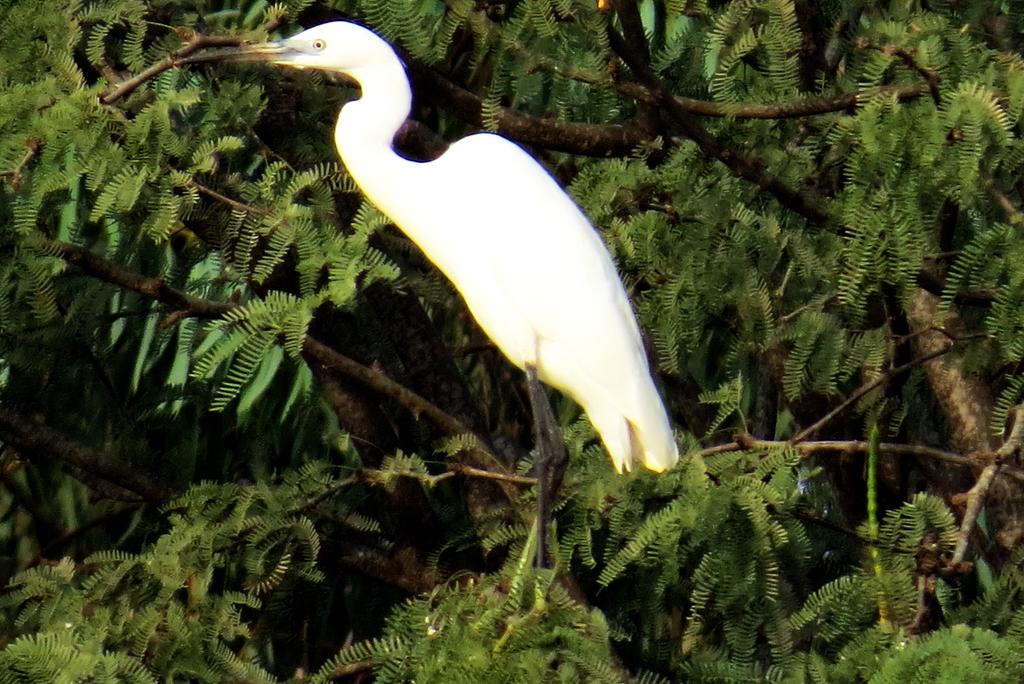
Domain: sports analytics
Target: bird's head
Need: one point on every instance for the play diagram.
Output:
(338, 46)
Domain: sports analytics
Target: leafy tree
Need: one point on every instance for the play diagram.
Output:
(249, 434)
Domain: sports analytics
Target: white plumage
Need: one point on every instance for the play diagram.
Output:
(533, 272)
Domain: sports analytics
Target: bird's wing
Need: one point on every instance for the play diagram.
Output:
(542, 284)
(539, 245)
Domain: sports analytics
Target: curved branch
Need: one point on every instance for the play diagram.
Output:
(401, 568)
(32, 148)
(385, 386)
(195, 44)
(157, 289)
(931, 76)
(596, 140)
(976, 495)
(151, 288)
(744, 165)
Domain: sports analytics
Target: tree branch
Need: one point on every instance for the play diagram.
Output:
(225, 200)
(32, 438)
(157, 289)
(1010, 210)
(32, 148)
(964, 398)
(975, 499)
(864, 389)
(402, 568)
(786, 110)
(597, 140)
(807, 449)
(193, 45)
(976, 495)
(387, 387)
(929, 280)
(151, 288)
(931, 76)
(746, 166)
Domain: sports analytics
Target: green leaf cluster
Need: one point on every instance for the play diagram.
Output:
(292, 546)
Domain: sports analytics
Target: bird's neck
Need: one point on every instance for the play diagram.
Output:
(398, 187)
(366, 127)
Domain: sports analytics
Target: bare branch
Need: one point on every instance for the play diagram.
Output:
(743, 164)
(975, 499)
(597, 140)
(786, 110)
(35, 439)
(1012, 212)
(156, 288)
(470, 471)
(152, 288)
(864, 389)
(32, 148)
(375, 380)
(931, 76)
(807, 449)
(193, 45)
(976, 495)
(224, 199)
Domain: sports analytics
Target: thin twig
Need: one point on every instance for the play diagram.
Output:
(1012, 212)
(807, 449)
(195, 44)
(350, 669)
(32, 146)
(787, 110)
(385, 386)
(454, 470)
(224, 199)
(976, 495)
(931, 76)
(857, 446)
(151, 288)
(782, 320)
(35, 439)
(592, 139)
(812, 106)
(864, 389)
(741, 163)
(975, 499)
(188, 305)
(470, 471)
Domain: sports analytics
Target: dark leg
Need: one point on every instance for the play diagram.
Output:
(551, 459)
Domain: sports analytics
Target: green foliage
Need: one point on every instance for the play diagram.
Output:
(186, 605)
(307, 527)
(492, 629)
(953, 654)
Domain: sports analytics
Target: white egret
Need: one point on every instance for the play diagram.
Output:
(529, 265)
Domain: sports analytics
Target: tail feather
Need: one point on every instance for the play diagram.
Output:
(648, 440)
(656, 452)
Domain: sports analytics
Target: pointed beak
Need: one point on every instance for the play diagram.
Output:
(275, 53)
(281, 52)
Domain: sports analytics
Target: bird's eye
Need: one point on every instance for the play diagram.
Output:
(319, 44)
